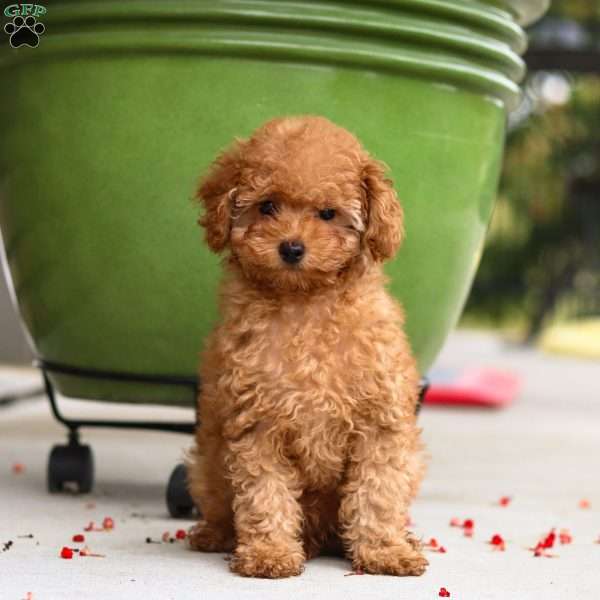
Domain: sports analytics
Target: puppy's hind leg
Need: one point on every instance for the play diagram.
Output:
(213, 496)
(416, 467)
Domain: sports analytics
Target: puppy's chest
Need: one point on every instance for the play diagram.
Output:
(312, 357)
(302, 370)
(300, 365)
(307, 351)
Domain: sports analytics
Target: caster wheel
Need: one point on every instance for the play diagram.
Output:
(72, 463)
(179, 501)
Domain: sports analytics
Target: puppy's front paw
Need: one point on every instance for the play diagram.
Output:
(402, 559)
(267, 560)
(209, 538)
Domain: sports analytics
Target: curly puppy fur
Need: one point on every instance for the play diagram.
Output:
(308, 440)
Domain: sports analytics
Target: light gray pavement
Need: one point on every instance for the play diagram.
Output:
(544, 451)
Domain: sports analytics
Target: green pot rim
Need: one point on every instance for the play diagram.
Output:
(480, 48)
(289, 50)
(490, 20)
(462, 43)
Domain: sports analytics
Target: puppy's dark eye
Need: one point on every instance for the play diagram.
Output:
(327, 214)
(267, 207)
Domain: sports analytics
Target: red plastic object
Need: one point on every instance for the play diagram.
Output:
(485, 387)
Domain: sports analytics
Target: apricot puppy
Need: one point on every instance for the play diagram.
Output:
(308, 439)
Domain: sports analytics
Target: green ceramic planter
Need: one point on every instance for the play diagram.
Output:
(106, 125)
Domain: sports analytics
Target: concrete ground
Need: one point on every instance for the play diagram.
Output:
(544, 452)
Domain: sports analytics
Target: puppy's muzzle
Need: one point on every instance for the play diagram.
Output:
(291, 252)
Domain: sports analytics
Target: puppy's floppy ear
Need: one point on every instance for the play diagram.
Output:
(216, 192)
(385, 218)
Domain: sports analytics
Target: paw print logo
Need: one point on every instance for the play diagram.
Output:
(24, 32)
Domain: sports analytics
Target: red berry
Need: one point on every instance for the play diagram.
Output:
(66, 552)
(584, 503)
(505, 500)
(468, 526)
(432, 543)
(442, 550)
(498, 542)
(544, 544)
(78, 537)
(444, 593)
(565, 536)
(549, 540)
(180, 534)
(108, 523)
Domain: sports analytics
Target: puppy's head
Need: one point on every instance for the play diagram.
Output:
(300, 203)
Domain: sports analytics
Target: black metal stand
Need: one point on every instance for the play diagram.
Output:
(73, 464)
(71, 424)
(422, 392)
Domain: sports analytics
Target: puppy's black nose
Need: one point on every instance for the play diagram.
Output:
(291, 252)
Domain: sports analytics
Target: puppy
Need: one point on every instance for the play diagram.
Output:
(308, 440)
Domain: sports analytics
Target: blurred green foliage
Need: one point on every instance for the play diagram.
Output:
(578, 10)
(542, 258)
